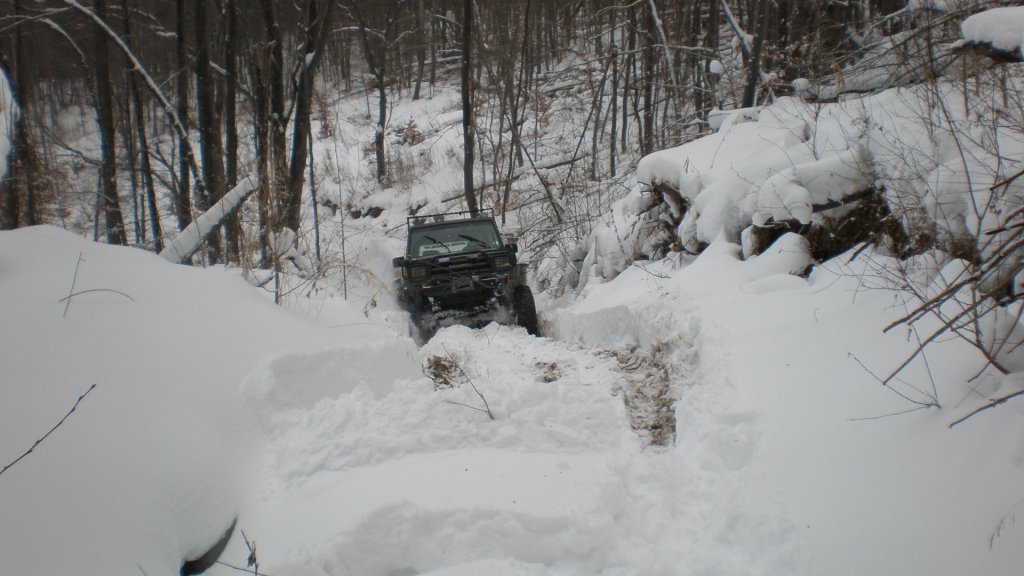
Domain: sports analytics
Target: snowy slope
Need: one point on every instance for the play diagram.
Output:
(156, 461)
(815, 472)
(339, 456)
(317, 427)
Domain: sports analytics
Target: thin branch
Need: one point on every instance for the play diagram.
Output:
(73, 294)
(470, 406)
(252, 561)
(900, 413)
(487, 408)
(887, 380)
(991, 404)
(74, 279)
(45, 436)
(1001, 525)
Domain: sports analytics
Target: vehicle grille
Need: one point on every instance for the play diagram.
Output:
(460, 266)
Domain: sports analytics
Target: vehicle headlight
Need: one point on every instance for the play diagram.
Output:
(502, 262)
(417, 273)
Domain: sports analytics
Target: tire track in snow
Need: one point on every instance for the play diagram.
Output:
(559, 483)
(691, 497)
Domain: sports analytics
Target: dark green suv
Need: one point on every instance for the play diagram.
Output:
(457, 270)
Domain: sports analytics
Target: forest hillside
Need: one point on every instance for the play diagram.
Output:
(776, 249)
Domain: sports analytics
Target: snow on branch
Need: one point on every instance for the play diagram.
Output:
(1001, 29)
(191, 239)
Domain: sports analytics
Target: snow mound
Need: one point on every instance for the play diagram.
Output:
(421, 479)
(158, 460)
(800, 162)
(792, 459)
(300, 380)
(1002, 28)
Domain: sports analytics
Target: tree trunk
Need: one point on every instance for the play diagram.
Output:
(191, 239)
(614, 95)
(316, 34)
(754, 68)
(657, 31)
(232, 226)
(377, 61)
(10, 203)
(138, 116)
(109, 203)
(211, 145)
(261, 135)
(421, 49)
(23, 167)
(630, 76)
(183, 198)
(650, 60)
(468, 128)
(278, 137)
(378, 135)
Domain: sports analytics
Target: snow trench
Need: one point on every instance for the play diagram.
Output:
(592, 451)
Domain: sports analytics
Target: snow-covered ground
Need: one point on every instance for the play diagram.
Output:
(339, 456)
(696, 415)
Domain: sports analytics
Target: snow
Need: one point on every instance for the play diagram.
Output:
(1002, 28)
(796, 433)
(779, 162)
(191, 238)
(342, 448)
(338, 455)
(156, 462)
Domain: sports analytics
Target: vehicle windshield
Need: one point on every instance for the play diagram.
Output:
(455, 237)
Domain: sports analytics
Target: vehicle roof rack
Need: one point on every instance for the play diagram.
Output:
(446, 216)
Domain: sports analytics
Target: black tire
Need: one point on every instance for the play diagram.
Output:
(525, 309)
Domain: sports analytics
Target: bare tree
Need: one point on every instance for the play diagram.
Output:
(183, 196)
(108, 203)
(211, 144)
(138, 118)
(377, 42)
(233, 228)
(318, 19)
(468, 124)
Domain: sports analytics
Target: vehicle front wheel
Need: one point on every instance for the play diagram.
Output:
(525, 309)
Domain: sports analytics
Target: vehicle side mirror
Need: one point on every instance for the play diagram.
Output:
(513, 247)
(398, 262)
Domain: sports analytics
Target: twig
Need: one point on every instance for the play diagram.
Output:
(1001, 525)
(252, 561)
(45, 436)
(991, 404)
(886, 382)
(900, 413)
(237, 568)
(73, 294)
(487, 408)
(74, 279)
(470, 406)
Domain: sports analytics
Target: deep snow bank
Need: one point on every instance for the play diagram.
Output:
(941, 171)
(416, 479)
(159, 459)
(813, 467)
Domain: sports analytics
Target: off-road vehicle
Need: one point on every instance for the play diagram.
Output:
(457, 270)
